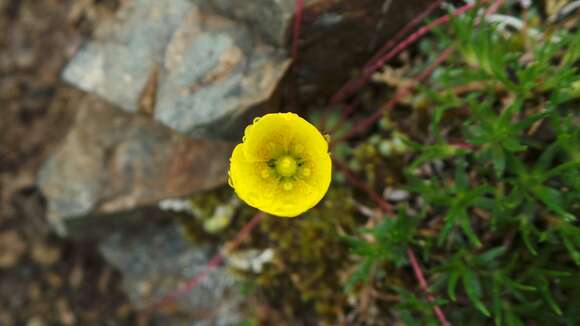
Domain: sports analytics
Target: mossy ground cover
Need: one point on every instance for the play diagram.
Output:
(481, 166)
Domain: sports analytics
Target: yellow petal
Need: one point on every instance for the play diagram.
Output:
(276, 136)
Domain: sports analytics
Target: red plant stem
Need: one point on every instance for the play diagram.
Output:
(494, 7)
(386, 47)
(211, 265)
(404, 31)
(424, 286)
(402, 92)
(462, 145)
(386, 207)
(366, 123)
(359, 183)
(299, 8)
(354, 85)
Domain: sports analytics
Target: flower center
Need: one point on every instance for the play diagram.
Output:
(286, 166)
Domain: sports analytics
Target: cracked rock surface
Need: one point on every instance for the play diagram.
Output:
(187, 67)
(156, 259)
(113, 161)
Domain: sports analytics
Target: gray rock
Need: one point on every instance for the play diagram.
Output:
(117, 64)
(200, 73)
(155, 259)
(337, 36)
(214, 70)
(112, 161)
(271, 19)
(193, 70)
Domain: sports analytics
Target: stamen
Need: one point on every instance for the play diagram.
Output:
(286, 166)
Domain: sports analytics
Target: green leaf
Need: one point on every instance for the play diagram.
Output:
(466, 227)
(528, 242)
(513, 145)
(521, 287)
(554, 273)
(473, 290)
(489, 256)
(361, 274)
(553, 198)
(452, 285)
(569, 244)
(512, 319)
(436, 152)
(548, 297)
(506, 116)
(499, 160)
(562, 168)
(461, 177)
(497, 303)
(360, 247)
(447, 227)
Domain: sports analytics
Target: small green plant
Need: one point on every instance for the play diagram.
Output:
(480, 163)
(391, 238)
(495, 182)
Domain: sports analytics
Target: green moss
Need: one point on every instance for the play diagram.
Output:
(304, 277)
(213, 212)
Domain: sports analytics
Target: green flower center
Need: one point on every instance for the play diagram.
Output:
(286, 166)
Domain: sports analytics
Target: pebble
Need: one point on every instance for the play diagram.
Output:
(393, 194)
(12, 247)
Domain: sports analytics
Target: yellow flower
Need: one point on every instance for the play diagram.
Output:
(282, 166)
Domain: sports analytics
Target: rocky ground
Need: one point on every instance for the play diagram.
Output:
(44, 280)
(122, 171)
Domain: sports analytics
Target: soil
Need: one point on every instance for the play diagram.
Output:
(45, 280)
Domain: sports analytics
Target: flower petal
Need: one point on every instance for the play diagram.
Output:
(267, 139)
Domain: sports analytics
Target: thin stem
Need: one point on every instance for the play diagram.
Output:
(424, 286)
(216, 260)
(346, 90)
(362, 185)
(355, 84)
(402, 92)
(404, 31)
(298, 11)
(386, 207)
(494, 7)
